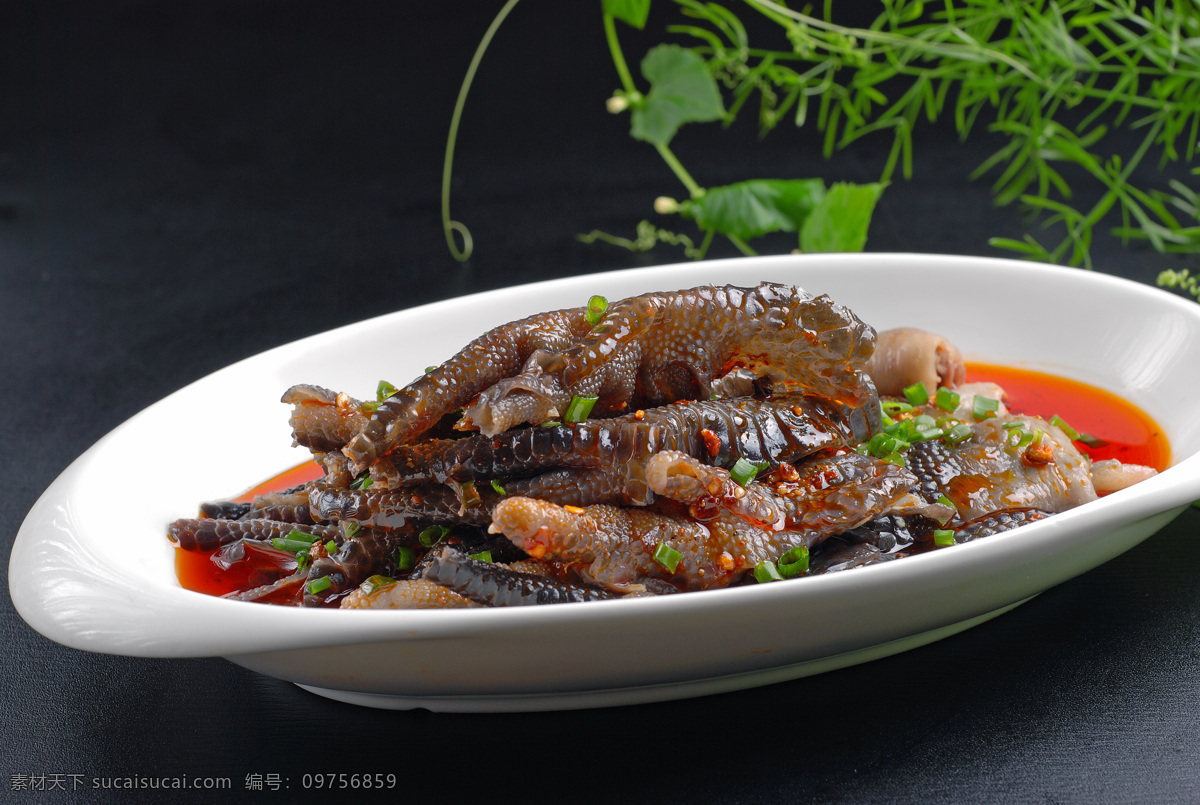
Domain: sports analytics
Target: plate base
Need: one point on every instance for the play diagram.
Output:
(643, 694)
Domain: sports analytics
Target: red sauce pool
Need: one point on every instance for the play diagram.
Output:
(196, 570)
(1129, 435)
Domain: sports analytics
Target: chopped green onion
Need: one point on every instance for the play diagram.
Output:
(984, 407)
(1014, 437)
(1061, 423)
(957, 434)
(667, 556)
(362, 483)
(917, 394)
(351, 530)
(301, 560)
(331, 547)
(319, 585)
(499, 489)
(552, 423)
(945, 501)
(896, 407)
(433, 535)
(373, 583)
(291, 545)
(579, 408)
(766, 571)
(298, 535)
(595, 310)
(1018, 438)
(1009, 425)
(882, 445)
(368, 407)
(743, 472)
(794, 563)
(1092, 441)
(406, 558)
(946, 399)
(943, 537)
(482, 556)
(384, 390)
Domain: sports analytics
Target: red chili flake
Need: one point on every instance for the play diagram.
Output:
(712, 442)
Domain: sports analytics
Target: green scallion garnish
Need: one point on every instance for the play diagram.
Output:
(957, 434)
(917, 394)
(743, 472)
(482, 556)
(595, 310)
(667, 556)
(766, 571)
(331, 547)
(896, 407)
(430, 370)
(351, 530)
(373, 583)
(433, 535)
(499, 489)
(297, 534)
(319, 585)
(984, 407)
(551, 423)
(362, 483)
(1061, 423)
(406, 558)
(945, 501)
(946, 399)
(290, 545)
(579, 408)
(384, 390)
(943, 537)
(794, 563)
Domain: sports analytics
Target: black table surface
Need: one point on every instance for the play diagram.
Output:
(185, 186)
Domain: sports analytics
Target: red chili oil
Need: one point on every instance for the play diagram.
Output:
(1126, 432)
(196, 570)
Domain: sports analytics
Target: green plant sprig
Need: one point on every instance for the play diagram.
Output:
(1115, 62)
(1029, 64)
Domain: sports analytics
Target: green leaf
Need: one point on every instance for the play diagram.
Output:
(681, 91)
(755, 207)
(633, 12)
(839, 223)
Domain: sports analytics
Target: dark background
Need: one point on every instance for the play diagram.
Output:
(182, 186)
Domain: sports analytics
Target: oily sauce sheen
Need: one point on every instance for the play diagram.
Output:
(196, 570)
(1129, 436)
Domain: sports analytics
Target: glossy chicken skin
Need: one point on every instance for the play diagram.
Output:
(647, 350)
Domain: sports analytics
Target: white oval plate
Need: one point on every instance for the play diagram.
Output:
(85, 578)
